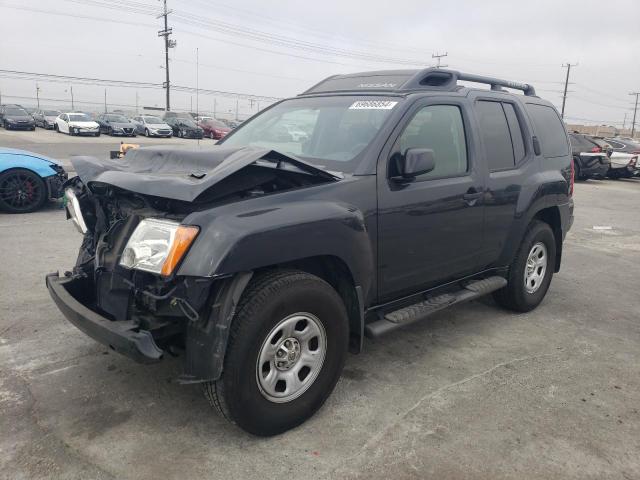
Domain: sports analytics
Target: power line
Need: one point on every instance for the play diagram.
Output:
(45, 77)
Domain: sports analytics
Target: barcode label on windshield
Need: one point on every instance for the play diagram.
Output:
(372, 105)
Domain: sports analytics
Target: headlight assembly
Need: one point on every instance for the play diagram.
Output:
(73, 208)
(157, 246)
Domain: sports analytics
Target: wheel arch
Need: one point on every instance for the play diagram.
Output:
(551, 216)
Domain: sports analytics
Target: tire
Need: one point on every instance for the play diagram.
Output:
(576, 172)
(179, 133)
(97, 134)
(515, 296)
(21, 191)
(269, 303)
(146, 132)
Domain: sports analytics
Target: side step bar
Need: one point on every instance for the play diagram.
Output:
(421, 310)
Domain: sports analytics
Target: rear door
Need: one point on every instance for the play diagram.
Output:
(430, 228)
(508, 159)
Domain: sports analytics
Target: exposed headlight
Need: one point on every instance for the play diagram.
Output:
(157, 246)
(73, 207)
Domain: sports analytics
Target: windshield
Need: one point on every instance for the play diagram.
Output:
(187, 123)
(79, 117)
(152, 120)
(51, 113)
(15, 111)
(116, 118)
(330, 132)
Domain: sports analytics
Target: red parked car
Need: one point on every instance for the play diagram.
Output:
(213, 128)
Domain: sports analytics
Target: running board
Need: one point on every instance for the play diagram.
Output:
(419, 311)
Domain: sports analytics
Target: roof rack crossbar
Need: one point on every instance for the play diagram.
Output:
(496, 83)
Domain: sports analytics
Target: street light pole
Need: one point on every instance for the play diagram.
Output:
(635, 111)
(38, 95)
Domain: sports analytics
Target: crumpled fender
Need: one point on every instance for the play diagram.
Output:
(238, 241)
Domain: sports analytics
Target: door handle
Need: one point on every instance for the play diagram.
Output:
(472, 196)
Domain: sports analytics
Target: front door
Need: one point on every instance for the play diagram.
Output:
(430, 229)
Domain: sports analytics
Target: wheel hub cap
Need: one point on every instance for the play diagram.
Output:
(536, 267)
(291, 357)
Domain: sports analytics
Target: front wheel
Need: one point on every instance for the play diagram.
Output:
(531, 271)
(286, 350)
(146, 132)
(21, 191)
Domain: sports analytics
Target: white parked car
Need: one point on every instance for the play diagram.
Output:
(76, 124)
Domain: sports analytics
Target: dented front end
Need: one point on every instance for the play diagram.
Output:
(125, 290)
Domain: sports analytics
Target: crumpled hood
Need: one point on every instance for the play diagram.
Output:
(178, 174)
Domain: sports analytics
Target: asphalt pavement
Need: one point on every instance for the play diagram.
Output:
(475, 392)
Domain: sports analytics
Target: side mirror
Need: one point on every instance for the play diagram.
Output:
(416, 161)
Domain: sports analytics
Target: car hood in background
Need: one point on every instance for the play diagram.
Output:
(180, 174)
(121, 125)
(90, 124)
(19, 118)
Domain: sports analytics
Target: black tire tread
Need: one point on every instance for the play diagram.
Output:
(260, 288)
(506, 297)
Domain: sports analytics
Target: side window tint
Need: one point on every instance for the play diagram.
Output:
(495, 134)
(439, 128)
(549, 130)
(517, 138)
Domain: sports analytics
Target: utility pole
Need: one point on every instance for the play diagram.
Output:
(105, 100)
(624, 121)
(167, 45)
(136, 102)
(566, 84)
(439, 57)
(237, 109)
(73, 107)
(214, 107)
(38, 95)
(635, 110)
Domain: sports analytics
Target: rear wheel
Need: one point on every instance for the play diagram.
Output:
(286, 350)
(21, 191)
(531, 271)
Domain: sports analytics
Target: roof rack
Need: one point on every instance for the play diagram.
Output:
(410, 80)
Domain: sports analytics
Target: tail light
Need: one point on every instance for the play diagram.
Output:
(572, 180)
(596, 150)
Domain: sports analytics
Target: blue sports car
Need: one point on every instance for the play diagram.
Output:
(28, 180)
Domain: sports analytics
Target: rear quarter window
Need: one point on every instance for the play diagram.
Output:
(549, 129)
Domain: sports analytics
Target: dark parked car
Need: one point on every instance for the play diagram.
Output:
(115, 124)
(265, 261)
(46, 118)
(590, 161)
(16, 118)
(184, 127)
(213, 128)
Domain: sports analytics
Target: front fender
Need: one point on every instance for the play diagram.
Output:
(231, 241)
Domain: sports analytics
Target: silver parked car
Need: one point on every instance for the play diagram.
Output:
(45, 118)
(151, 126)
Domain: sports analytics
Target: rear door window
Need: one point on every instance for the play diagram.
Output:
(495, 134)
(549, 129)
(517, 137)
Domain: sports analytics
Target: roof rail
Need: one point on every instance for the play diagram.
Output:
(441, 78)
(410, 80)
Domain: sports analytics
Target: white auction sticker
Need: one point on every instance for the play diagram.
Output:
(372, 105)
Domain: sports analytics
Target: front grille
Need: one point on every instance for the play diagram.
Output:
(127, 130)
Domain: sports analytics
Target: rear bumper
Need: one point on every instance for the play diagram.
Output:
(122, 336)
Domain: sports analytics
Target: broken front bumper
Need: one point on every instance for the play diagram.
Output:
(125, 337)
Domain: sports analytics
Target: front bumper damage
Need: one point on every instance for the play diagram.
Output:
(124, 337)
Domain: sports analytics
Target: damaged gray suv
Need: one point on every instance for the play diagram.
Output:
(363, 205)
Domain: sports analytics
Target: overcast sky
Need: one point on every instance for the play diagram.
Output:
(279, 48)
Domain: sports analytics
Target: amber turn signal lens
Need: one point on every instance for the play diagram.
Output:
(185, 235)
